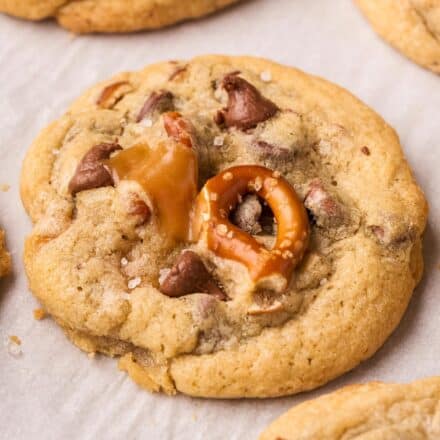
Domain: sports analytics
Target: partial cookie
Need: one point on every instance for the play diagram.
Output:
(5, 258)
(85, 16)
(171, 228)
(374, 411)
(412, 26)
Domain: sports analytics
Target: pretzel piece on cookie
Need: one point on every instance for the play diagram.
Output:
(271, 269)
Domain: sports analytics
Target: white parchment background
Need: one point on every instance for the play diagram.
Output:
(53, 390)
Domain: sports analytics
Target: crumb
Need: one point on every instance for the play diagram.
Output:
(91, 355)
(15, 339)
(39, 314)
(4, 187)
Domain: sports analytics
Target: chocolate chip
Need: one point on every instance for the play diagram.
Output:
(161, 101)
(139, 209)
(270, 151)
(246, 106)
(190, 275)
(177, 72)
(326, 210)
(247, 215)
(366, 151)
(113, 93)
(91, 172)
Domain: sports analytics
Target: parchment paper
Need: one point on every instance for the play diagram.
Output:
(53, 390)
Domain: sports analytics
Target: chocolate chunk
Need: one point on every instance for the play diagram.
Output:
(177, 72)
(178, 128)
(139, 209)
(365, 150)
(91, 172)
(161, 101)
(247, 215)
(275, 152)
(190, 275)
(326, 210)
(246, 106)
(113, 93)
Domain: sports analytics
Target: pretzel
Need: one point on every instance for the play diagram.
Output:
(273, 268)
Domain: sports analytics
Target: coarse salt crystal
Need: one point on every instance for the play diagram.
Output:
(266, 76)
(219, 141)
(228, 176)
(124, 262)
(323, 281)
(134, 282)
(222, 229)
(146, 123)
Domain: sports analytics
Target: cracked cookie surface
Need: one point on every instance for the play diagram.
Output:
(5, 258)
(365, 412)
(110, 187)
(84, 16)
(412, 26)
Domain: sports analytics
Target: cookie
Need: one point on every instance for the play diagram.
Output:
(411, 26)
(86, 16)
(228, 226)
(373, 411)
(5, 258)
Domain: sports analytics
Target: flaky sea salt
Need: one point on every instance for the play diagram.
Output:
(266, 76)
(134, 282)
(146, 123)
(219, 141)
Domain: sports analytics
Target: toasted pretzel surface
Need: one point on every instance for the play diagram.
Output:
(221, 195)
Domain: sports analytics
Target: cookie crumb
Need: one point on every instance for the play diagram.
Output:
(13, 344)
(219, 141)
(91, 355)
(124, 262)
(4, 187)
(39, 314)
(266, 76)
(15, 339)
(134, 282)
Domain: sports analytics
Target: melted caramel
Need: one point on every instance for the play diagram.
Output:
(168, 174)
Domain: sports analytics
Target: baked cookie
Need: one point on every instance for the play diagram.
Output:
(86, 16)
(412, 26)
(374, 411)
(5, 258)
(171, 229)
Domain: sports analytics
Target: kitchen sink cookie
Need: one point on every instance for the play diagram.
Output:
(5, 258)
(375, 411)
(412, 26)
(228, 226)
(84, 16)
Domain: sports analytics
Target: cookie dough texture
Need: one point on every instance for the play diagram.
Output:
(412, 26)
(347, 295)
(85, 16)
(5, 258)
(365, 412)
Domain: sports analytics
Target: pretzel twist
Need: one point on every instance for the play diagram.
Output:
(221, 194)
